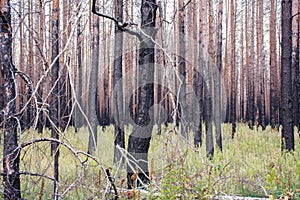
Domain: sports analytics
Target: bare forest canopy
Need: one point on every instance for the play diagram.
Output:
(145, 63)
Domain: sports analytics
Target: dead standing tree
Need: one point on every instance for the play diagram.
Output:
(117, 81)
(11, 156)
(286, 77)
(139, 140)
(55, 92)
(217, 78)
(182, 69)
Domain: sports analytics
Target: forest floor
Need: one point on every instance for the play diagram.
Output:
(251, 165)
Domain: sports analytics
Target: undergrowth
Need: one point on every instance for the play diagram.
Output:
(252, 164)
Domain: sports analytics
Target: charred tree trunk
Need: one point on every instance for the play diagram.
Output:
(242, 75)
(274, 111)
(118, 113)
(250, 106)
(11, 157)
(261, 65)
(198, 87)
(41, 121)
(199, 81)
(286, 77)
(182, 71)
(139, 139)
(30, 69)
(208, 116)
(79, 94)
(298, 75)
(233, 70)
(55, 93)
(217, 79)
(226, 71)
(208, 70)
(92, 98)
(295, 63)
(247, 63)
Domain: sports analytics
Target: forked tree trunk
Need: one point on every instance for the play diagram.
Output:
(139, 139)
(11, 158)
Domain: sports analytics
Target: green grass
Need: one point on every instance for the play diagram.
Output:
(250, 165)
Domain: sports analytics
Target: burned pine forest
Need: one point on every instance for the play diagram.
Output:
(150, 99)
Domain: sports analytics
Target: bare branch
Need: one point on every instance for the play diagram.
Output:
(175, 13)
(185, 5)
(31, 174)
(121, 25)
(295, 15)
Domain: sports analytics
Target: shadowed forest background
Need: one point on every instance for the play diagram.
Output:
(148, 99)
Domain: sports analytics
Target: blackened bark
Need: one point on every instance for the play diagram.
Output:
(40, 92)
(298, 75)
(78, 115)
(263, 102)
(92, 98)
(250, 105)
(261, 66)
(233, 70)
(286, 77)
(295, 63)
(198, 88)
(208, 87)
(11, 158)
(55, 93)
(182, 72)
(139, 140)
(63, 99)
(41, 120)
(208, 115)
(217, 79)
(274, 97)
(199, 73)
(242, 75)
(247, 62)
(119, 139)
